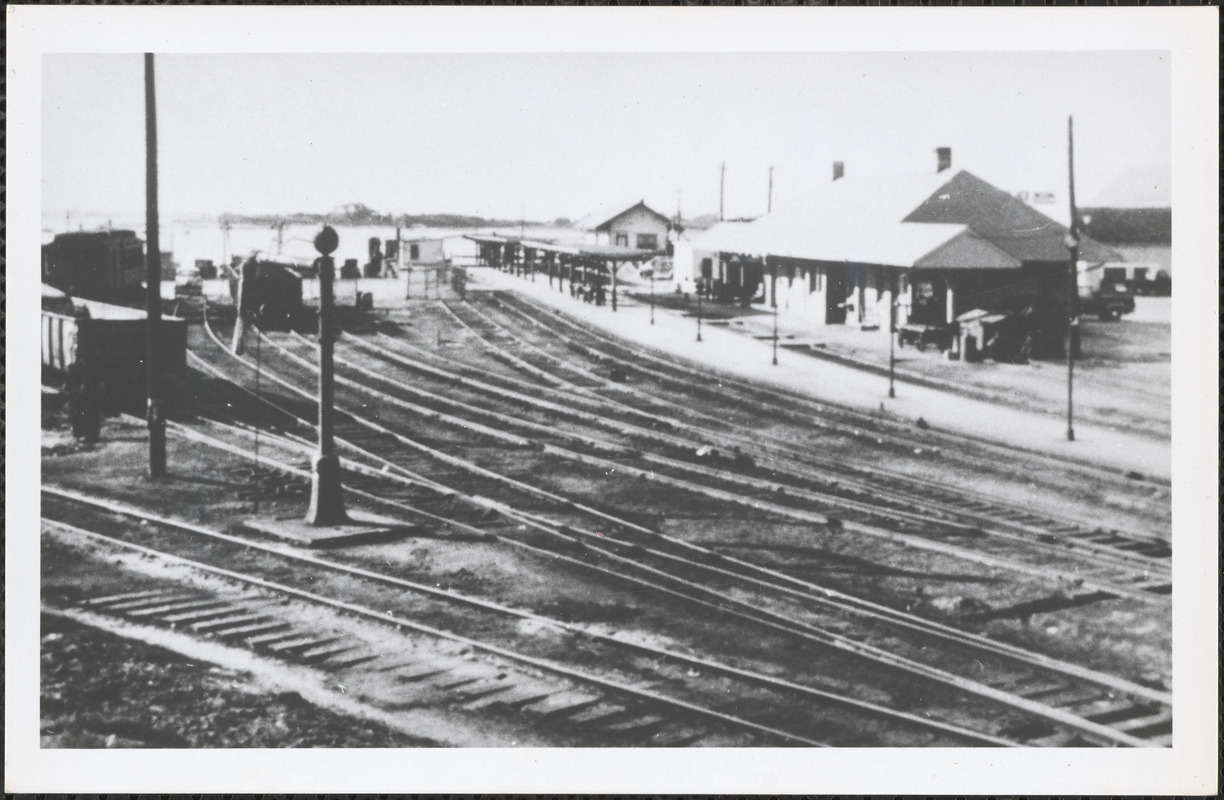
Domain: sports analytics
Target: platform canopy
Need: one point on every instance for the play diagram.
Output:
(600, 252)
(593, 252)
(491, 238)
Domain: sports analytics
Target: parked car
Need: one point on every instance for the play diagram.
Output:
(659, 268)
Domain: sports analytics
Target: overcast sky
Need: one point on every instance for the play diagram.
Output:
(550, 135)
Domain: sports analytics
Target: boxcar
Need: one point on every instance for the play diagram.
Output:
(98, 265)
(272, 294)
(107, 344)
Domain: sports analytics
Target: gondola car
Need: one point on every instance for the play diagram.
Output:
(107, 266)
(105, 346)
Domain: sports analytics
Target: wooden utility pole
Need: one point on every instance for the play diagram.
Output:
(1072, 278)
(722, 182)
(156, 411)
(769, 203)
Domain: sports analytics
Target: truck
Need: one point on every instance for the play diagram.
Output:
(1102, 293)
(1142, 278)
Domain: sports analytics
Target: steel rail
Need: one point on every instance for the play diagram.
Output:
(875, 476)
(774, 581)
(1004, 697)
(822, 406)
(601, 541)
(752, 440)
(1041, 572)
(1121, 559)
(355, 609)
(452, 596)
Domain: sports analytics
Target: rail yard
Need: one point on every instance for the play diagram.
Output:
(587, 542)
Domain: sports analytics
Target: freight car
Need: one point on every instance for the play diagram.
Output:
(99, 265)
(103, 347)
(271, 295)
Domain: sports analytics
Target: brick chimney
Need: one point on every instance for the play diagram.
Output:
(839, 169)
(943, 156)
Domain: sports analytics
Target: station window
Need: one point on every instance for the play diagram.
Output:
(414, 252)
(622, 239)
(647, 241)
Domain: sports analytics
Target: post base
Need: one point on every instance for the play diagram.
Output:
(360, 529)
(326, 494)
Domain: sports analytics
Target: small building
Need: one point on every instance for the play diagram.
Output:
(931, 246)
(415, 252)
(638, 227)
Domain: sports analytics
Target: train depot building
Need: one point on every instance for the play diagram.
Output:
(931, 246)
(639, 227)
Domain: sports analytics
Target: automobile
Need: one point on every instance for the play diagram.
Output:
(659, 268)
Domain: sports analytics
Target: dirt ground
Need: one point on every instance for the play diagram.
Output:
(256, 720)
(90, 679)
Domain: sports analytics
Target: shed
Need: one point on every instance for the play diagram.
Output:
(639, 227)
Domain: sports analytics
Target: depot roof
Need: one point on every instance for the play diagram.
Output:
(606, 225)
(944, 220)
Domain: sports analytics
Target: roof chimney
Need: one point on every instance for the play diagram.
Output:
(839, 169)
(943, 157)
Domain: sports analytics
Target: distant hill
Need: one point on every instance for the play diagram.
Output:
(1129, 225)
(358, 214)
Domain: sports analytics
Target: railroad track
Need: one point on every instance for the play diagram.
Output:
(602, 703)
(679, 377)
(847, 643)
(1113, 569)
(903, 433)
(940, 505)
(1099, 578)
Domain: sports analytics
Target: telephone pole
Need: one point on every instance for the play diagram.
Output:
(722, 182)
(156, 411)
(769, 203)
(1072, 278)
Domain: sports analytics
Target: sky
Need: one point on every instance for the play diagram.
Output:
(547, 135)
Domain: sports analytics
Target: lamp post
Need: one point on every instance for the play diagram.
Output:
(326, 495)
(700, 282)
(614, 265)
(652, 276)
(773, 301)
(892, 338)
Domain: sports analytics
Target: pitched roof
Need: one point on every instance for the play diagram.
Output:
(606, 225)
(934, 220)
(1010, 224)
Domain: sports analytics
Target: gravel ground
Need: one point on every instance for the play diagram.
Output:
(100, 690)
